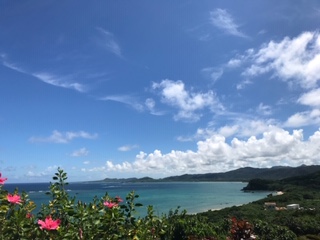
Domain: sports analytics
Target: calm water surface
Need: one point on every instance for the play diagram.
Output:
(192, 196)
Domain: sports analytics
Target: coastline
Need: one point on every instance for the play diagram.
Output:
(194, 197)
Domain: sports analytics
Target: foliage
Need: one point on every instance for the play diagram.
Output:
(241, 230)
(106, 218)
(111, 218)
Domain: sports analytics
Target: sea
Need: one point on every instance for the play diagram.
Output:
(194, 197)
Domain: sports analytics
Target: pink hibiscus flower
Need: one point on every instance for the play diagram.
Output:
(118, 199)
(2, 180)
(110, 204)
(14, 199)
(49, 223)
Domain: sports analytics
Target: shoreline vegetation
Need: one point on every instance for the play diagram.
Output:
(295, 214)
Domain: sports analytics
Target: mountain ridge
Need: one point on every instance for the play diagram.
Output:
(240, 174)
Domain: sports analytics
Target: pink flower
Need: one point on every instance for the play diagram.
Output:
(118, 199)
(2, 180)
(29, 215)
(110, 204)
(49, 224)
(14, 199)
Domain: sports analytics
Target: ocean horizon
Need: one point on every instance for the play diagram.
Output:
(194, 197)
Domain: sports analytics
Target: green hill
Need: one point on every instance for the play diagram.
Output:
(242, 174)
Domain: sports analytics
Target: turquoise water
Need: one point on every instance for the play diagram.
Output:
(192, 196)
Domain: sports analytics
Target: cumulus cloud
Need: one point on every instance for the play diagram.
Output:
(223, 20)
(46, 173)
(311, 98)
(80, 152)
(240, 127)
(188, 104)
(215, 154)
(304, 119)
(60, 137)
(293, 60)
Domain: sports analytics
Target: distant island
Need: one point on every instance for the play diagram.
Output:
(242, 174)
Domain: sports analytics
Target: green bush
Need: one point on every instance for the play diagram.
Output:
(109, 218)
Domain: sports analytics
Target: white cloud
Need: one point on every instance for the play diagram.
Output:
(294, 60)
(221, 19)
(264, 109)
(215, 154)
(188, 103)
(59, 137)
(126, 99)
(150, 105)
(10, 65)
(304, 119)
(80, 152)
(59, 81)
(48, 78)
(127, 148)
(109, 43)
(86, 162)
(213, 73)
(47, 173)
(234, 62)
(201, 133)
(240, 127)
(311, 98)
(243, 84)
(228, 131)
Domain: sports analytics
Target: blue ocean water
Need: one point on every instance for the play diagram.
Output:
(163, 196)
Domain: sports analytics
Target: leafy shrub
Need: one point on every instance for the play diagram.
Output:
(109, 218)
(268, 231)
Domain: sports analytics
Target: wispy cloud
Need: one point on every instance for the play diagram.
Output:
(223, 20)
(108, 42)
(188, 104)
(60, 137)
(264, 109)
(127, 148)
(80, 153)
(213, 73)
(58, 81)
(150, 105)
(125, 99)
(10, 65)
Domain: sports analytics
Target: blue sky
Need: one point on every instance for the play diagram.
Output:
(157, 88)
